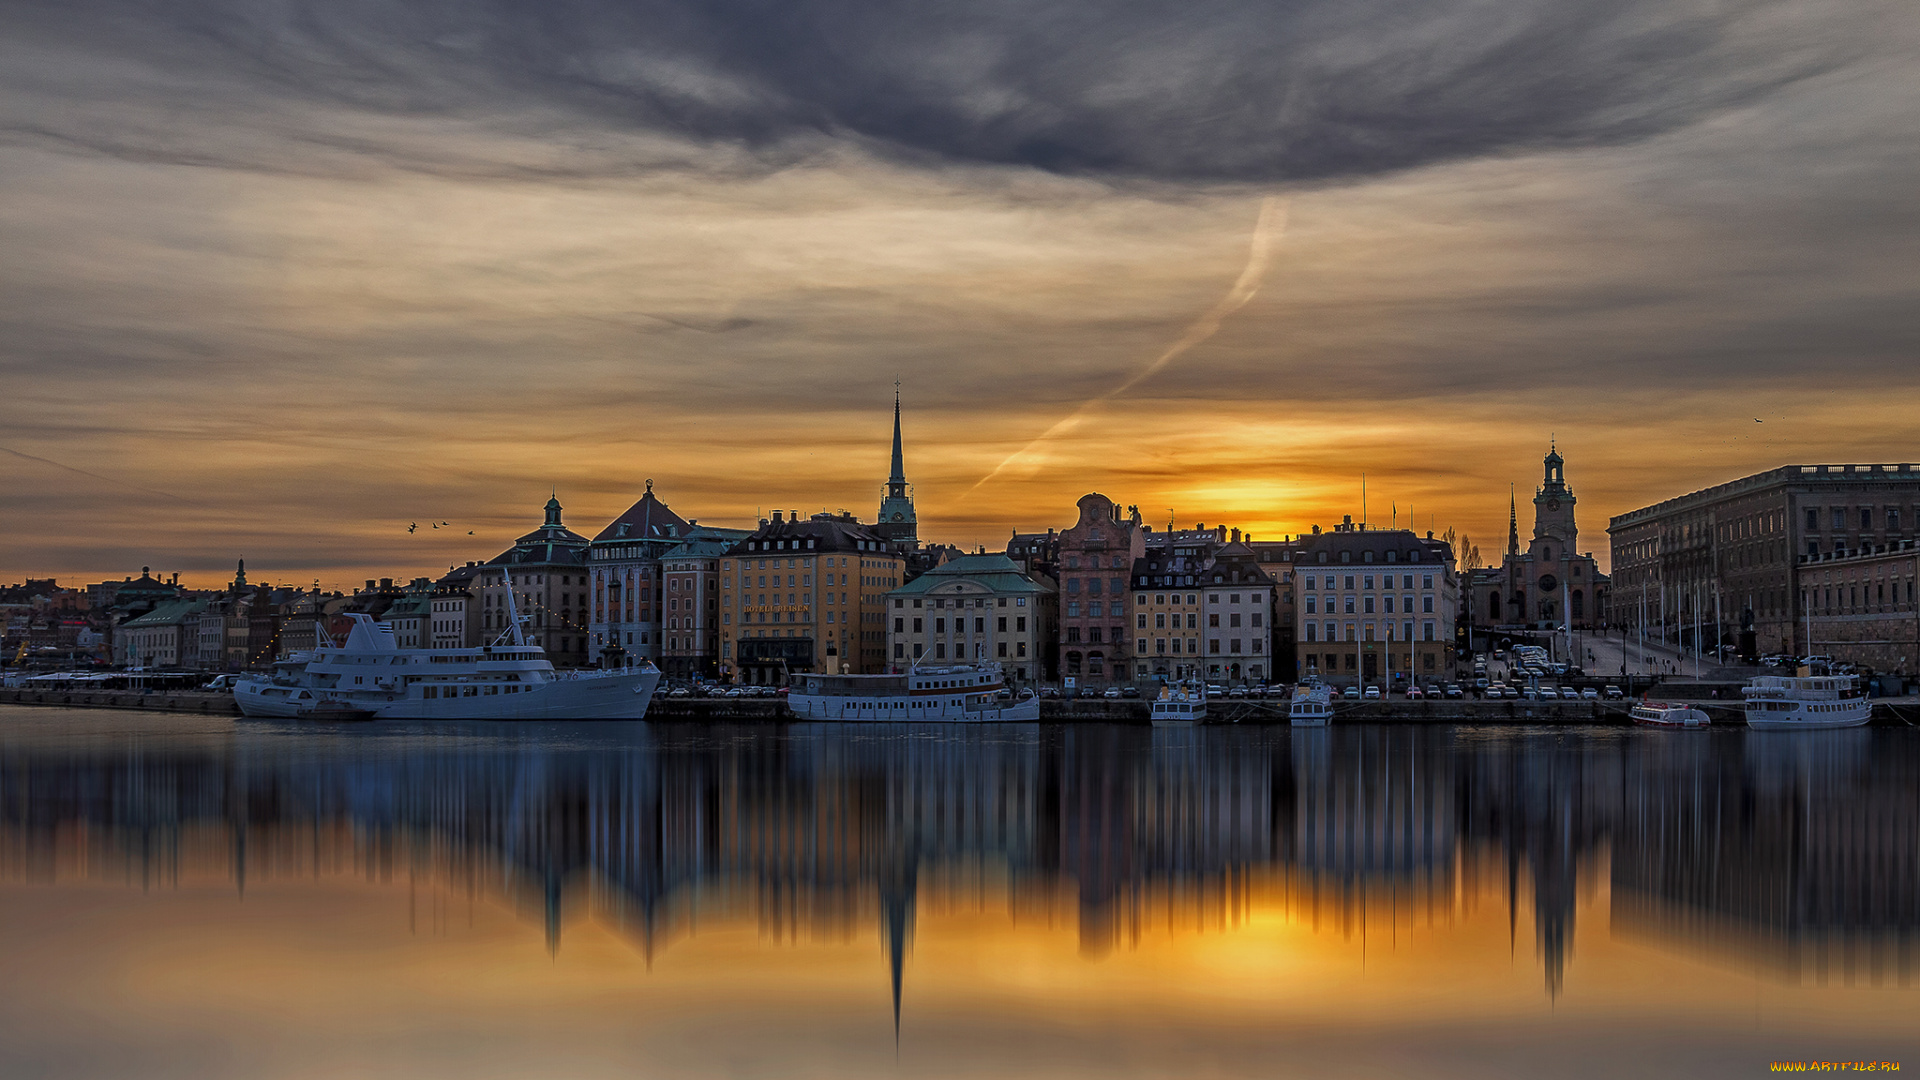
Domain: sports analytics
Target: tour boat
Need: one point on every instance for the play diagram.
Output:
(509, 680)
(1312, 704)
(963, 693)
(1179, 706)
(1668, 714)
(1788, 702)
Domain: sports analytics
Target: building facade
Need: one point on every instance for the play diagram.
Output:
(166, 637)
(1550, 583)
(975, 608)
(1741, 543)
(1375, 606)
(1861, 606)
(1097, 556)
(690, 581)
(627, 602)
(548, 571)
(807, 595)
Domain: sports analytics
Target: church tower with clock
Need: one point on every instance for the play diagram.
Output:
(1550, 584)
(1555, 536)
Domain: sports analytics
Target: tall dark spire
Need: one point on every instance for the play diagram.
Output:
(1513, 523)
(897, 522)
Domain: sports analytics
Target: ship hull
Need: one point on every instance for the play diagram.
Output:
(601, 697)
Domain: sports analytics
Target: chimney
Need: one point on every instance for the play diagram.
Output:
(369, 585)
(386, 583)
(1220, 534)
(1236, 536)
(776, 517)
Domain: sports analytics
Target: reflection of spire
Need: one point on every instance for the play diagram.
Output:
(897, 891)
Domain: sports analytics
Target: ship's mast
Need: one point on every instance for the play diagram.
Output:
(513, 613)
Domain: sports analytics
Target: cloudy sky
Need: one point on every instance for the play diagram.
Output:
(279, 278)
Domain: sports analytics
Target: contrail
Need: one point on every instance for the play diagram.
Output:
(97, 476)
(1271, 224)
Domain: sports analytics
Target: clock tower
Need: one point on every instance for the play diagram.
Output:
(1555, 536)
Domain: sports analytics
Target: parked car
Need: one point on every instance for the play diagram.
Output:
(1112, 693)
(1414, 693)
(1351, 693)
(1568, 693)
(1237, 692)
(1590, 694)
(1049, 691)
(1372, 694)
(1613, 693)
(1454, 690)
(1216, 690)
(1089, 692)
(1129, 691)
(679, 692)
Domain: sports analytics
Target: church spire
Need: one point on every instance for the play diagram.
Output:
(897, 522)
(1513, 523)
(897, 483)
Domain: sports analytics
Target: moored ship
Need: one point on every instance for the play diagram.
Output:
(371, 676)
(1179, 706)
(1786, 702)
(1668, 714)
(1312, 704)
(964, 693)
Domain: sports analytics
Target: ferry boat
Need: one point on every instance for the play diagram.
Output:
(1179, 706)
(963, 693)
(1668, 714)
(1312, 704)
(371, 677)
(1806, 701)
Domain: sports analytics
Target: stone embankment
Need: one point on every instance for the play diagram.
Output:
(1724, 709)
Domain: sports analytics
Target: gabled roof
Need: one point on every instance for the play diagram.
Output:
(648, 519)
(821, 533)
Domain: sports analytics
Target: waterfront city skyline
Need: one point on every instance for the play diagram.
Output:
(279, 285)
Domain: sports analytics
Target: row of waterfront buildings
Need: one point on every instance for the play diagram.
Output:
(1797, 560)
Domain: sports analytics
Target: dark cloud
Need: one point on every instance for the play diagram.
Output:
(1210, 90)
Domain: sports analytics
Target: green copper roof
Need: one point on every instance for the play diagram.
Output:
(994, 572)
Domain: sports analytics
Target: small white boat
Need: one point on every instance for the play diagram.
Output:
(1312, 704)
(1668, 714)
(1179, 706)
(1790, 702)
(965, 693)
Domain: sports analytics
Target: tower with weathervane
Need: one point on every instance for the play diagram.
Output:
(896, 521)
(1551, 583)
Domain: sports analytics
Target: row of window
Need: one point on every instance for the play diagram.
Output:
(959, 650)
(1193, 645)
(1842, 515)
(1366, 581)
(1406, 632)
(960, 625)
(1366, 602)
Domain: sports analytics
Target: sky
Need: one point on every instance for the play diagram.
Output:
(279, 279)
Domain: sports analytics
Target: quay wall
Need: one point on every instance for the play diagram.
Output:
(695, 710)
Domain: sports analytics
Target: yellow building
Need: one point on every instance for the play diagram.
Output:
(806, 596)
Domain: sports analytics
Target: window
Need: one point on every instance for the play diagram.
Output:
(1310, 610)
(1426, 581)
(1233, 619)
(1310, 636)
(1350, 581)
(1213, 645)
(1866, 517)
(1350, 605)
(1426, 605)
(1003, 624)
(1213, 619)
(1813, 519)
(1142, 645)
(1256, 619)
(1839, 517)
(1368, 580)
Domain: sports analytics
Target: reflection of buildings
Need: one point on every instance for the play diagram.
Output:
(1800, 853)
(1807, 847)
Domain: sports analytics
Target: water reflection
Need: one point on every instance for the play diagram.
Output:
(1796, 851)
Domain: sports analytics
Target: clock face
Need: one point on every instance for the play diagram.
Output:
(1553, 504)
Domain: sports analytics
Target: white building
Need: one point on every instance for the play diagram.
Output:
(974, 608)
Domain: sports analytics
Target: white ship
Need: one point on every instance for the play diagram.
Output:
(1179, 706)
(965, 693)
(1806, 701)
(1312, 704)
(1667, 714)
(370, 677)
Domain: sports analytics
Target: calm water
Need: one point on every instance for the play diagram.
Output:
(196, 897)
